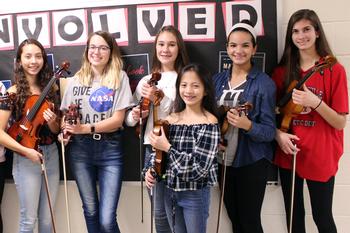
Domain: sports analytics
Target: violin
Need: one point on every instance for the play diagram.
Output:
(145, 103)
(241, 109)
(7, 100)
(159, 163)
(26, 130)
(71, 117)
(160, 156)
(285, 106)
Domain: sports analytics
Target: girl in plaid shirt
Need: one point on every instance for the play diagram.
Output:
(191, 148)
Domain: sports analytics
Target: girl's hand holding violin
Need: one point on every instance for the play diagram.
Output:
(305, 98)
(150, 179)
(136, 113)
(148, 91)
(50, 116)
(77, 128)
(286, 142)
(239, 120)
(152, 93)
(159, 142)
(51, 119)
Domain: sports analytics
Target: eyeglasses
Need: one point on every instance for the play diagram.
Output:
(102, 48)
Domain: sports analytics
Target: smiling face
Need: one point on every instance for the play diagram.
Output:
(304, 35)
(31, 60)
(167, 50)
(191, 89)
(98, 52)
(240, 47)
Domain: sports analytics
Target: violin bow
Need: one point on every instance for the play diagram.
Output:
(44, 173)
(141, 158)
(152, 193)
(65, 182)
(223, 181)
(292, 189)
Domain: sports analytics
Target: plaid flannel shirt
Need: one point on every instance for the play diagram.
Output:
(191, 161)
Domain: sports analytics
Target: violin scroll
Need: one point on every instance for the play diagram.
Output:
(62, 68)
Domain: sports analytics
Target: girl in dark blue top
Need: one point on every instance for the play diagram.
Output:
(249, 136)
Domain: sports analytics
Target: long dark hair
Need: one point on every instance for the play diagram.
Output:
(22, 85)
(182, 57)
(208, 101)
(291, 57)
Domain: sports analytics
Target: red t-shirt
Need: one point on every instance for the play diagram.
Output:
(320, 144)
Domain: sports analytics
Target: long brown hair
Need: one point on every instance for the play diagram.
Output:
(22, 85)
(182, 57)
(291, 57)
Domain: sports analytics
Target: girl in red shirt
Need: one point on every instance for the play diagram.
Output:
(316, 134)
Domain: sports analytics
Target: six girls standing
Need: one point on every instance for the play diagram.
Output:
(191, 149)
(249, 137)
(32, 74)
(169, 58)
(316, 134)
(324, 98)
(101, 91)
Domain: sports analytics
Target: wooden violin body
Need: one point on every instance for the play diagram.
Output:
(26, 131)
(289, 111)
(286, 107)
(160, 156)
(145, 104)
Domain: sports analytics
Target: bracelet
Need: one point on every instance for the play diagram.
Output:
(318, 105)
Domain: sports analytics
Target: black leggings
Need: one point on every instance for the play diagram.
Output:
(244, 195)
(2, 184)
(321, 197)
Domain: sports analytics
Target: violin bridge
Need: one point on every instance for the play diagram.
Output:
(24, 127)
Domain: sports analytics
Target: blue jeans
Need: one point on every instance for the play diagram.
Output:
(191, 209)
(31, 189)
(98, 160)
(160, 216)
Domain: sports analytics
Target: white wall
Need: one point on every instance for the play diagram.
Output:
(336, 20)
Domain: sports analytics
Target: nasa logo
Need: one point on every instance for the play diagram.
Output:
(102, 99)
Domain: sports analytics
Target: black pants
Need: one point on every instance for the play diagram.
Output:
(244, 195)
(2, 183)
(321, 197)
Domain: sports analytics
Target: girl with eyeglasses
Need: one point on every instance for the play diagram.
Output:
(101, 91)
